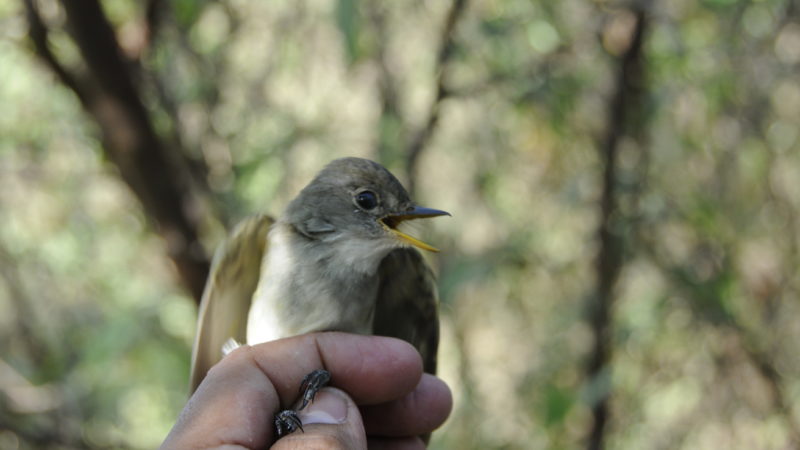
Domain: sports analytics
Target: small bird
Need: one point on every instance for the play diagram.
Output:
(334, 261)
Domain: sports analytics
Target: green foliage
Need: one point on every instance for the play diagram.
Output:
(95, 330)
(348, 21)
(187, 11)
(557, 403)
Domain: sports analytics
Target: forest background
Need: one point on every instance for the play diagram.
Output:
(620, 270)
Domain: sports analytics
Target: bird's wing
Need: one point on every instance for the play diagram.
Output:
(407, 304)
(228, 293)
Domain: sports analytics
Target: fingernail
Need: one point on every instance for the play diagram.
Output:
(329, 407)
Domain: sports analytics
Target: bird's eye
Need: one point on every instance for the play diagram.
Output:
(367, 200)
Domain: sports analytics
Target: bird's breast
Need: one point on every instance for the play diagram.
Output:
(297, 294)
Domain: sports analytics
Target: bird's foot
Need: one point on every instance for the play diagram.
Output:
(287, 421)
(311, 384)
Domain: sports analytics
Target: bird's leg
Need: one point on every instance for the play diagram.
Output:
(287, 421)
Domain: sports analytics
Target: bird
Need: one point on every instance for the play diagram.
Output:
(335, 260)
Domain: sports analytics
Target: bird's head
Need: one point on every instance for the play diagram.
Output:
(356, 199)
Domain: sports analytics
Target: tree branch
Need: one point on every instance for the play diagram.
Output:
(422, 136)
(391, 127)
(38, 34)
(153, 15)
(609, 261)
(109, 94)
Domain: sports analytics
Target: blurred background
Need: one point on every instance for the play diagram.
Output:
(620, 270)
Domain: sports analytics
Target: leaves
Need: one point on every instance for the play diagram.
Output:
(348, 22)
(254, 97)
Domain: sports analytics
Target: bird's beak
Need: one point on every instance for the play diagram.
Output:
(391, 221)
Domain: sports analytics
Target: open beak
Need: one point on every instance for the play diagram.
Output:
(391, 221)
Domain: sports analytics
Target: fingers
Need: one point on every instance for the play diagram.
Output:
(332, 421)
(234, 405)
(370, 369)
(239, 397)
(419, 412)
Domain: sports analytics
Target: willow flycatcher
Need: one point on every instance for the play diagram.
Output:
(334, 261)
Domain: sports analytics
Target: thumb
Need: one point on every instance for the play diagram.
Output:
(332, 420)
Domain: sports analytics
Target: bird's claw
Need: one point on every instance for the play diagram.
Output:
(311, 384)
(287, 421)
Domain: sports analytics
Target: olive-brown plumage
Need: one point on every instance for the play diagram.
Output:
(334, 260)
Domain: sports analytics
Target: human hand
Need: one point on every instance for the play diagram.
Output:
(383, 399)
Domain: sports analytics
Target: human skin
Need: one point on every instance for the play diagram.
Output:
(380, 397)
